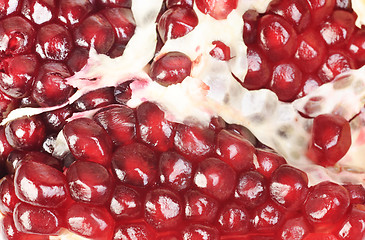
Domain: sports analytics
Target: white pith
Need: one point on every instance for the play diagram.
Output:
(212, 91)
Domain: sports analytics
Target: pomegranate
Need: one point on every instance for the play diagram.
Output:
(182, 119)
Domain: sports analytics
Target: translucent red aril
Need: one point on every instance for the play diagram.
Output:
(200, 207)
(90, 221)
(95, 99)
(8, 198)
(115, 3)
(320, 236)
(39, 11)
(123, 91)
(330, 140)
(53, 42)
(8, 7)
(357, 193)
(194, 142)
(163, 209)
(311, 51)
(7, 104)
(339, 28)
(119, 122)
(56, 119)
(325, 202)
(173, 3)
(32, 219)
(176, 22)
(215, 178)
(251, 189)
(40, 185)
(123, 23)
(125, 203)
(286, 80)
(50, 87)
(234, 218)
(16, 35)
(337, 62)
(171, 68)
(77, 59)
(175, 171)
(198, 231)
(268, 217)
(135, 164)
(40, 157)
(154, 129)
(88, 141)
(357, 46)
(294, 228)
(296, 12)
(18, 76)
(5, 147)
(95, 31)
(250, 21)
(259, 69)
(218, 9)
(353, 227)
(221, 51)
(235, 150)
(321, 9)
(133, 231)
(289, 187)
(25, 133)
(277, 37)
(73, 12)
(89, 182)
(310, 83)
(268, 161)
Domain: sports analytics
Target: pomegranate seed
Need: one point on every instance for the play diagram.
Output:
(50, 87)
(268, 217)
(268, 162)
(251, 189)
(277, 37)
(90, 221)
(175, 171)
(125, 203)
(173, 3)
(95, 99)
(200, 207)
(115, 3)
(310, 83)
(16, 35)
(234, 219)
(19, 75)
(7, 104)
(331, 139)
(357, 47)
(8, 198)
(343, 4)
(320, 236)
(73, 12)
(176, 22)
(217, 124)
(38, 11)
(123, 92)
(163, 209)
(215, 178)
(13, 160)
(88, 141)
(154, 129)
(133, 231)
(289, 187)
(77, 58)
(286, 81)
(353, 227)
(326, 201)
(56, 119)
(89, 182)
(194, 142)
(32, 219)
(171, 68)
(250, 19)
(235, 150)
(123, 23)
(25, 133)
(197, 232)
(221, 51)
(357, 193)
(53, 42)
(294, 228)
(39, 157)
(336, 63)
(337, 31)
(40, 185)
(5, 147)
(95, 31)
(218, 9)
(311, 51)
(296, 12)
(320, 9)
(8, 7)
(259, 69)
(135, 164)
(119, 122)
